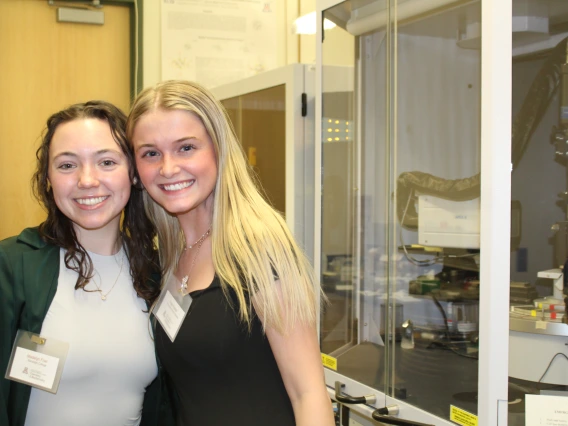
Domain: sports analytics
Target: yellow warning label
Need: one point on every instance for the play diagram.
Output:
(462, 417)
(329, 361)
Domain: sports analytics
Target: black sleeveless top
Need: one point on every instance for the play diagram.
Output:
(222, 373)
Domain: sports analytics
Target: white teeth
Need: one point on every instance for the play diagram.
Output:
(177, 186)
(91, 201)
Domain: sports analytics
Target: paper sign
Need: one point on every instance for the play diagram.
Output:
(545, 410)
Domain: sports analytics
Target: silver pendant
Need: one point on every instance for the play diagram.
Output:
(183, 286)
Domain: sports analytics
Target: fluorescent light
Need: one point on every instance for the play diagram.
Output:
(306, 24)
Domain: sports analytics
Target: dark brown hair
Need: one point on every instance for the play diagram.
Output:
(136, 231)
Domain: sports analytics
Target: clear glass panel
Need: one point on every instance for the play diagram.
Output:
(355, 148)
(538, 360)
(436, 233)
(339, 319)
(400, 207)
(259, 119)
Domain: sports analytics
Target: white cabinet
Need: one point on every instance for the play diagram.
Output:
(273, 117)
(418, 325)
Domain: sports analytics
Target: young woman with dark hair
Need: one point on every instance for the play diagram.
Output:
(84, 277)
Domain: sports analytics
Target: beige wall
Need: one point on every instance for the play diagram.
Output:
(307, 41)
(151, 39)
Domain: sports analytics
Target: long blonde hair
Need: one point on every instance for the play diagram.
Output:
(251, 243)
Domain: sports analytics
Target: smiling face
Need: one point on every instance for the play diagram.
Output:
(176, 161)
(89, 175)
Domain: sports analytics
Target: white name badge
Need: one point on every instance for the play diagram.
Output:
(37, 361)
(172, 307)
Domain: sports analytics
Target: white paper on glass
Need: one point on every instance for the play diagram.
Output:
(546, 410)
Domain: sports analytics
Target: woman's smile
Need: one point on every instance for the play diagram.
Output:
(178, 186)
(92, 202)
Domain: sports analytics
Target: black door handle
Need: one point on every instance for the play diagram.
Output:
(367, 399)
(380, 414)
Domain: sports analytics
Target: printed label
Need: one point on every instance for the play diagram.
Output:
(462, 417)
(329, 361)
(34, 368)
(171, 315)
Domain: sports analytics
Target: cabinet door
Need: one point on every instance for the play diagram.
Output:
(404, 247)
(273, 116)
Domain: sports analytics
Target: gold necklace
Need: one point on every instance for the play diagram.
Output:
(199, 241)
(185, 279)
(104, 296)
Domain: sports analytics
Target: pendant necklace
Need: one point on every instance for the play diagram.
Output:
(199, 243)
(99, 290)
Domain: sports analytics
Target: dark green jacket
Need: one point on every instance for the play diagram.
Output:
(29, 271)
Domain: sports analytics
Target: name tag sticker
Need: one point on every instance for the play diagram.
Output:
(172, 307)
(34, 368)
(37, 361)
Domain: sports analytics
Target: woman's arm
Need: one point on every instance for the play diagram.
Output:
(298, 356)
(299, 360)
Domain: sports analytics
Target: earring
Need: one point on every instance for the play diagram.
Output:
(48, 186)
(135, 181)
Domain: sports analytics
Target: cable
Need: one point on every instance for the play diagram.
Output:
(135, 48)
(444, 316)
(550, 364)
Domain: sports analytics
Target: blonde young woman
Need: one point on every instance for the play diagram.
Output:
(247, 352)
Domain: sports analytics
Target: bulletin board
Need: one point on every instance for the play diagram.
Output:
(215, 42)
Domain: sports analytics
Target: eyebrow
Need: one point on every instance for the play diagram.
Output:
(152, 145)
(185, 138)
(99, 152)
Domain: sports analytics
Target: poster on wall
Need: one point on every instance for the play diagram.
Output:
(215, 42)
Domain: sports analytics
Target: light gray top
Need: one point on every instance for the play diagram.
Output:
(111, 357)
